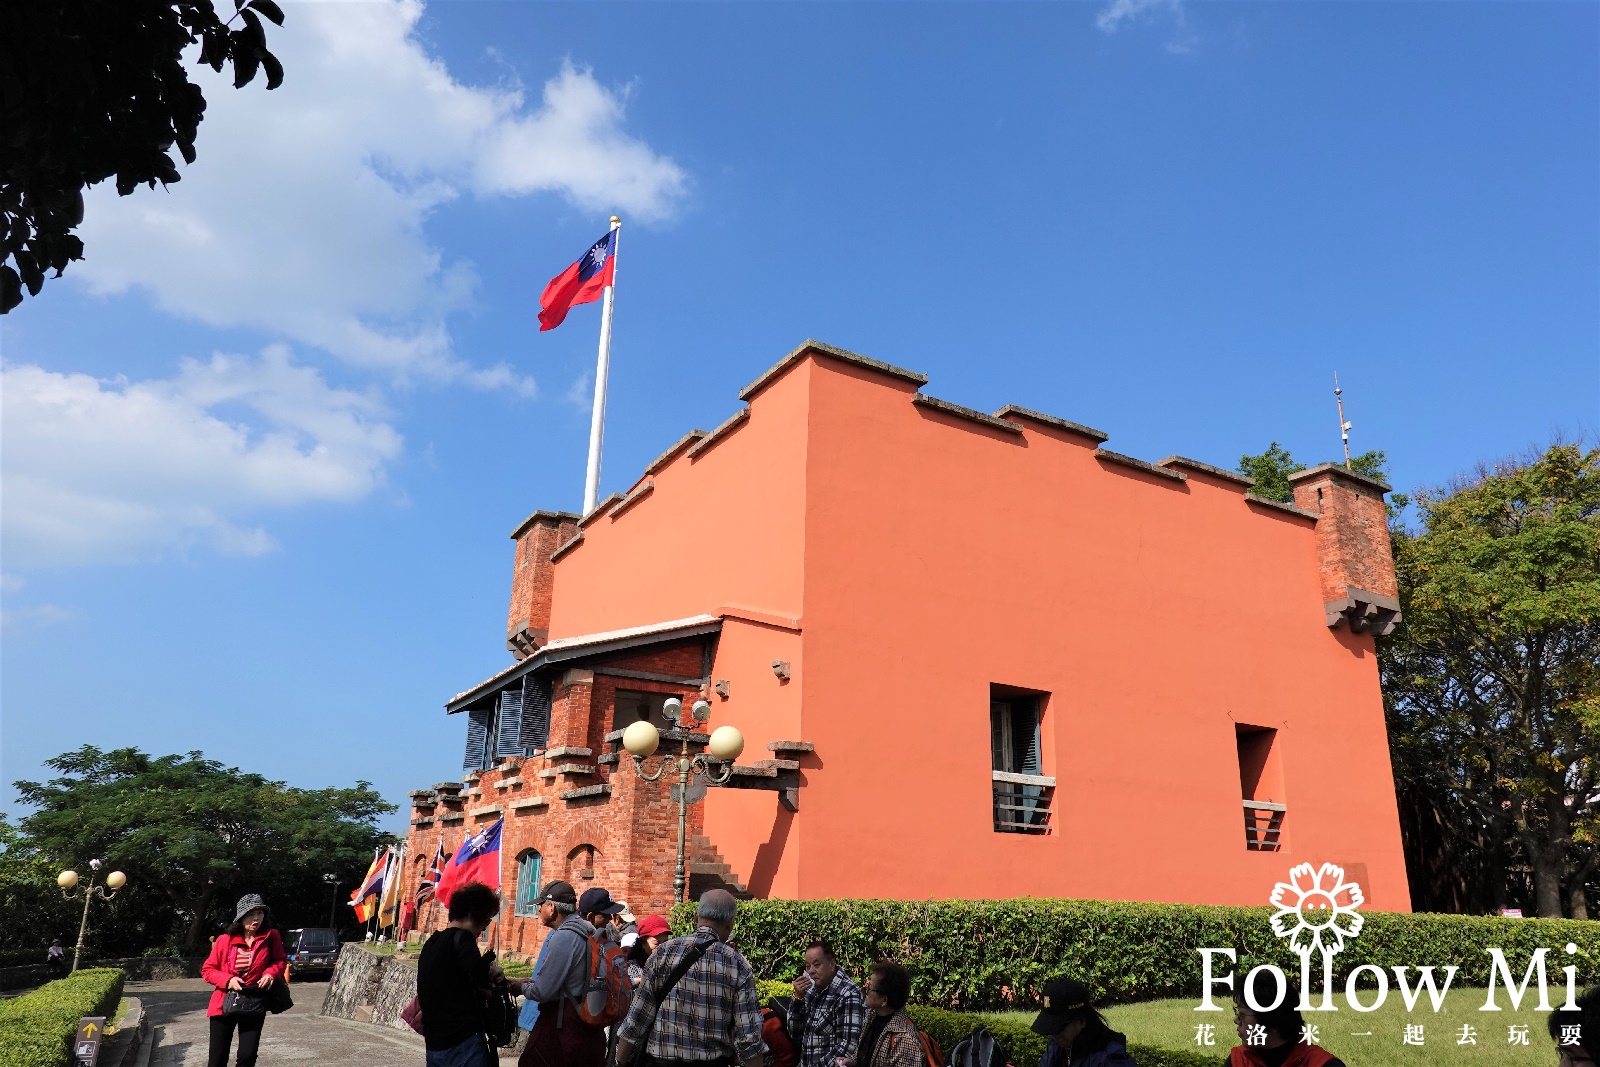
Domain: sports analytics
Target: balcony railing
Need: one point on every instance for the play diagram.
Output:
(1022, 803)
(1263, 825)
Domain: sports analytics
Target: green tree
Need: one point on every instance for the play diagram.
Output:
(93, 89)
(201, 833)
(1492, 683)
(1271, 470)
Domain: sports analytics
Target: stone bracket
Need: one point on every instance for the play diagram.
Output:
(1363, 612)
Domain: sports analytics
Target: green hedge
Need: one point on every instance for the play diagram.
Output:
(995, 954)
(36, 1030)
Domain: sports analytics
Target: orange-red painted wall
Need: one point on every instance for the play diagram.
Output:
(920, 558)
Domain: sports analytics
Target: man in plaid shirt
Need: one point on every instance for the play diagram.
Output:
(828, 1010)
(711, 1018)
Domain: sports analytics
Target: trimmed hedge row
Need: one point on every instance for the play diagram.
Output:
(1024, 1048)
(36, 1030)
(974, 955)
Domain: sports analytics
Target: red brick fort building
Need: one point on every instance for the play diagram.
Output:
(1057, 670)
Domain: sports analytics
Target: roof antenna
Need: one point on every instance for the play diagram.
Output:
(1344, 427)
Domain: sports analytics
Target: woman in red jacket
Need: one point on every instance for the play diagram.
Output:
(248, 956)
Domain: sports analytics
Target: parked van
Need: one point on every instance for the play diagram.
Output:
(313, 950)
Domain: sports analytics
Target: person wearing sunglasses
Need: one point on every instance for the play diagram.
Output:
(888, 1039)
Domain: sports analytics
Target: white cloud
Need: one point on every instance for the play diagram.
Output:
(97, 471)
(1116, 13)
(304, 214)
(34, 617)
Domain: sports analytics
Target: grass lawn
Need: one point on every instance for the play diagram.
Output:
(1171, 1024)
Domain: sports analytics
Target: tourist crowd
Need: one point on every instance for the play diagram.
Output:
(610, 990)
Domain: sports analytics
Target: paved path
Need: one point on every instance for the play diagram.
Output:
(300, 1035)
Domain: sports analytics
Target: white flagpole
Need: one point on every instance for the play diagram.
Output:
(597, 422)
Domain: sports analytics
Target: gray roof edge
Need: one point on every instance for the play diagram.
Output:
(549, 657)
(971, 414)
(558, 516)
(677, 446)
(1139, 464)
(1339, 470)
(1206, 468)
(822, 349)
(1018, 411)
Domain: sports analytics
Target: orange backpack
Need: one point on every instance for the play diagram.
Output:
(932, 1054)
(609, 988)
(778, 1041)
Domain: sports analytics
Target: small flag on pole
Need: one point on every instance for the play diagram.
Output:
(389, 902)
(431, 877)
(371, 886)
(477, 860)
(581, 283)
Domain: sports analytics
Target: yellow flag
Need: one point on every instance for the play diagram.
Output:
(389, 903)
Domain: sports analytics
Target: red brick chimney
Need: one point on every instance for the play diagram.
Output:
(533, 578)
(1357, 566)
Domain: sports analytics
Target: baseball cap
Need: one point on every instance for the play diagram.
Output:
(626, 913)
(653, 926)
(599, 901)
(557, 892)
(1062, 997)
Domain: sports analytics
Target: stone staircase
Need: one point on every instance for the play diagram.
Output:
(708, 870)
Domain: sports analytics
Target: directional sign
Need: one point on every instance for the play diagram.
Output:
(86, 1046)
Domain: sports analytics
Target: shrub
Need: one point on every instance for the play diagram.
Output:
(994, 954)
(36, 1030)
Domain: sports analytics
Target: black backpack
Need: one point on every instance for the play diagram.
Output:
(978, 1049)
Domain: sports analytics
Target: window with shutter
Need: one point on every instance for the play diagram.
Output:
(530, 867)
(1022, 792)
(508, 732)
(478, 722)
(535, 715)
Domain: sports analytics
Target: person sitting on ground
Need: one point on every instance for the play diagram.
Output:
(56, 956)
(560, 1037)
(453, 977)
(1079, 1035)
(1276, 1037)
(652, 929)
(711, 1016)
(1577, 1033)
(827, 1013)
(888, 1039)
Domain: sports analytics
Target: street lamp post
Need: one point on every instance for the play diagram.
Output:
(68, 881)
(333, 905)
(642, 739)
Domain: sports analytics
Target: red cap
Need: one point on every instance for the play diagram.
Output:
(653, 926)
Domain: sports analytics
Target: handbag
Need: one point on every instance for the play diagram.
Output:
(278, 998)
(246, 1003)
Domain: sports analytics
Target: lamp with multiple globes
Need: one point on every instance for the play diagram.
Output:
(68, 881)
(715, 765)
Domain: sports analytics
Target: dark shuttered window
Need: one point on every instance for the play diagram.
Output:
(508, 732)
(479, 720)
(535, 715)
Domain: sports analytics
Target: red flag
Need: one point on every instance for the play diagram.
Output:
(581, 283)
(477, 860)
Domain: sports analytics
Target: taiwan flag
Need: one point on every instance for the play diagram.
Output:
(477, 860)
(581, 283)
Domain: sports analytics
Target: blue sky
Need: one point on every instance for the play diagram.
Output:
(263, 448)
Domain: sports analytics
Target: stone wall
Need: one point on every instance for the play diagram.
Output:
(368, 987)
(355, 981)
